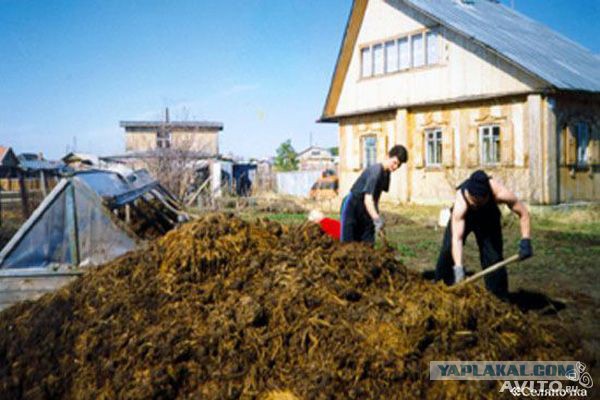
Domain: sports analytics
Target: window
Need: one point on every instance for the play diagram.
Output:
(490, 144)
(433, 138)
(418, 51)
(432, 48)
(391, 57)
(369, 151)
(366, 62)
(582, 134)
(378, 59)
(315, 153)
(163, 140)
(404, 53)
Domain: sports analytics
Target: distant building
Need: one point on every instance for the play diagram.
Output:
(201, 137)
(465, 85)
(316, 158)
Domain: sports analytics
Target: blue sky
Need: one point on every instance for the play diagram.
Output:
(71, 70)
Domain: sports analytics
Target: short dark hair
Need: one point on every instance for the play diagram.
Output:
(399, 152)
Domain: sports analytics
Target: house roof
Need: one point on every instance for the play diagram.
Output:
(314, 148)
(561, 62)
(8, 157)
(533, 47)
(172, 124)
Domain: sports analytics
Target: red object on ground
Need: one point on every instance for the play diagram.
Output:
(332, 227)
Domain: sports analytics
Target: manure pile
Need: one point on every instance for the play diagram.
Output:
(222, 308)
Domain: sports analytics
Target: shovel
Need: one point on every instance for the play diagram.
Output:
(486, 271)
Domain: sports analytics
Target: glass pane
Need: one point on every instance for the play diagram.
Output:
(583, 139)
(391, 57)
(370, 151)
(366, 62)
(438, 152)
(432, 48)
(378, 59)
(485, 150)
(418, 51)
(404, 53)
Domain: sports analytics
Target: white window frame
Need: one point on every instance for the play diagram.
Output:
(390, 48)
(413, 52)
(163, 140)
(366, 62)
(405, 41)
(486, 133)
(428, 38)
(368, 154)
(398, 53)
(378, 68)
(433, 153)
(582, 128)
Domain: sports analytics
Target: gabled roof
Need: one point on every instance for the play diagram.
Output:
(521, 41)
(8, 157)
(310, 148)
(561, 62)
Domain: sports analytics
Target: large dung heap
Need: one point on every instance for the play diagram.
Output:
(223, 308)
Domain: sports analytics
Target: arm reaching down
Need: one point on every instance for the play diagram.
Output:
(506, 196)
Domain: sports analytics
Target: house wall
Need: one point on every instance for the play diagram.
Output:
(466, 69)
(200, 140)
(140, 141)
(572, 182)
(425, 184)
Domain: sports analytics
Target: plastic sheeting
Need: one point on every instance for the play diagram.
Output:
(71, 226)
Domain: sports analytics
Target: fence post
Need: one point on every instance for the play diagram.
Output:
(24, 197)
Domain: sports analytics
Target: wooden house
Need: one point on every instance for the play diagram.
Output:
(464, 85)
(316, 158)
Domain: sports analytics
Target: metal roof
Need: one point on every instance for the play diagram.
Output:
(37, 165)
(172, 124)
(561, 62)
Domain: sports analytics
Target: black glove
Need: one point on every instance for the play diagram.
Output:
(525, 250)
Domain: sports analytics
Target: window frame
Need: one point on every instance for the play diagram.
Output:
(406, 40)
(434, 136)
(161, 140)
(364, 157)
(582, 163)
(496, 144)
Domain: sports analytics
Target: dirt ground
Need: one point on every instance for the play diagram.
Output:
(559, 283)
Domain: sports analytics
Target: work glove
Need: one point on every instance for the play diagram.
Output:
(525, 250)
(378, 222)
(459, 273)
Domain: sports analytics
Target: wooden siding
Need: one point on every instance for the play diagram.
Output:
(466, 69)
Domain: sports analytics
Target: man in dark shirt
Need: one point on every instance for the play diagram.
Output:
(360, 208)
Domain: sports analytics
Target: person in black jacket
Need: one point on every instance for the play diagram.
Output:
(360, 216)
(476, 210)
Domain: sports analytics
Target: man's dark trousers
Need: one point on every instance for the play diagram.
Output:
(488, 232)
(357, 225)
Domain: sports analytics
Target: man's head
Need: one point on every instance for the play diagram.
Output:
(478, 188)
(396, 157)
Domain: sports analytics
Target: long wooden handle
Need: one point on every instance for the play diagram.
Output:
(486, 271)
